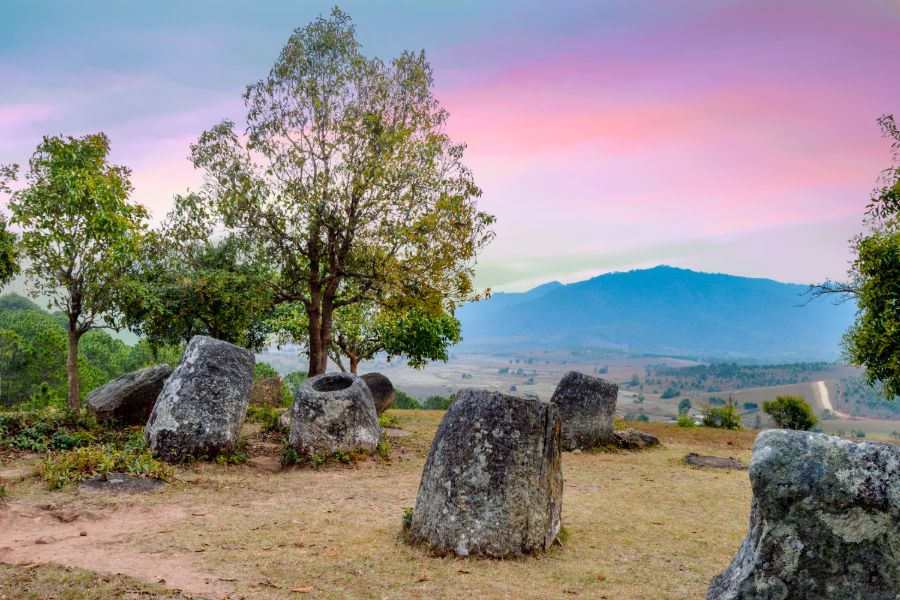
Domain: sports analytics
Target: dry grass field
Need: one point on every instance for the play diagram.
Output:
(639, 525)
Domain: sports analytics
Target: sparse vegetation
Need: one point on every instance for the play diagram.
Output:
(726, 417)
(67, 467)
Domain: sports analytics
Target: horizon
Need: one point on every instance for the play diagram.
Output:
(605, 137)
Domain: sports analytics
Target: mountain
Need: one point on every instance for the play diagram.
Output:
(664, 310)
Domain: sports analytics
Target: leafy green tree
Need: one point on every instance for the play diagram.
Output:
(873, 341)
(346, 181)
(188, 284)
(725, 417)
(17, 302)
(684, 406)
(405, 401)
(791, 412)
(9, 252)
(80, 233)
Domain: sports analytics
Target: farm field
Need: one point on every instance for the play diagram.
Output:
(635, 521)
(541, 371)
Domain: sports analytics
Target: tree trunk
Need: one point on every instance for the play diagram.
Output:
(354, 363)
(74, 394)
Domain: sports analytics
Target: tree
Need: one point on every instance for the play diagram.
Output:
(347, 183)
(684, 406)
(791, 412)
(9, 253)
(187, 283)
(873, 341)
(80, 233)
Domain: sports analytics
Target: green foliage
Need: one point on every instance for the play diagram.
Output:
(266, 415)
(670, 393)
(50, 427)
(262, 369)
(684, 420)
(436, 403)
(726, 417)
(384, 447)
(189, 284)
(751, 406)
(237, 456)
(67, 467)
(14, 301)
(791, 412)
(684, 406)
(80, 233)
(9, 253)
(386, 420)
(33, 356)
(407, 516)
(346, 182)
(403, 400)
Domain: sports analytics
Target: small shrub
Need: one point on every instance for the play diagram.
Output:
(407, 517)
(436, 403)
(265, 415)
(67, 467)
(670, 393)
(386, 420)
(684, 406)
(384, 447)
(619, 424)
(684, 420)
(289, 456)
(726, 417)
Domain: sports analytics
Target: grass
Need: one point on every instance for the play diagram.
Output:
(54, 582)
(638, 525)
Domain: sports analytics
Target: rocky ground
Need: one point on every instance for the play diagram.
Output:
(637, 525)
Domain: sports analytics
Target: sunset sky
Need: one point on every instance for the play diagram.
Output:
(729, 136)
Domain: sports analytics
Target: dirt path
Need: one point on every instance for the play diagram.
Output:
(822, 393)
(102, 542)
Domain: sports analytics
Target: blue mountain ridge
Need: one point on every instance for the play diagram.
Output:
(663, 310)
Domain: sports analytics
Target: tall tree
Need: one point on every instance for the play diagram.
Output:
(873, 340)
(346, 180)
(189, 283)
(80, 233)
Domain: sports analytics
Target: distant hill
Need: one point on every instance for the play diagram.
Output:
(663, 310)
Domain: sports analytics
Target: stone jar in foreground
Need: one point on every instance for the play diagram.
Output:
(824, 521)
(586, 409)
(129, 399)
(333, 412)
(492, 485)
(201, 408)
(382, 391)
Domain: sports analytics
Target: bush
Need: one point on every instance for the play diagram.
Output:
(683, 420)
(388, 421)
(670, 393)
(726, 417)
(49, 427)
(791, 412)
(404, 401)
(407, 517)
(67, 467)
(751, 406)
(684, 406)
(265, 415)
(436, 403)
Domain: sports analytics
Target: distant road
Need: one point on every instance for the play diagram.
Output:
(822, 392)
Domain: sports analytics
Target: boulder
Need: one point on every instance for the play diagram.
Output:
(632, 439)
(382, 391)
(586, 409)
(267, 391)
(492, 485)
(129, 399)
(201, 408)
(714, 462)
(823, 522)
(333, 412)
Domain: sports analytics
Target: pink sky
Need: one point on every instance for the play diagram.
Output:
(735, 136)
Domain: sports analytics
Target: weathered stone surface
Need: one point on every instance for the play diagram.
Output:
(284, 421)
(632, 439)
(824, 521)
(382, 391)
(203, 404)
(586, 408)
(333, 412)
(267, 391)
(492, 484)
(713, 462)
(129, 399)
